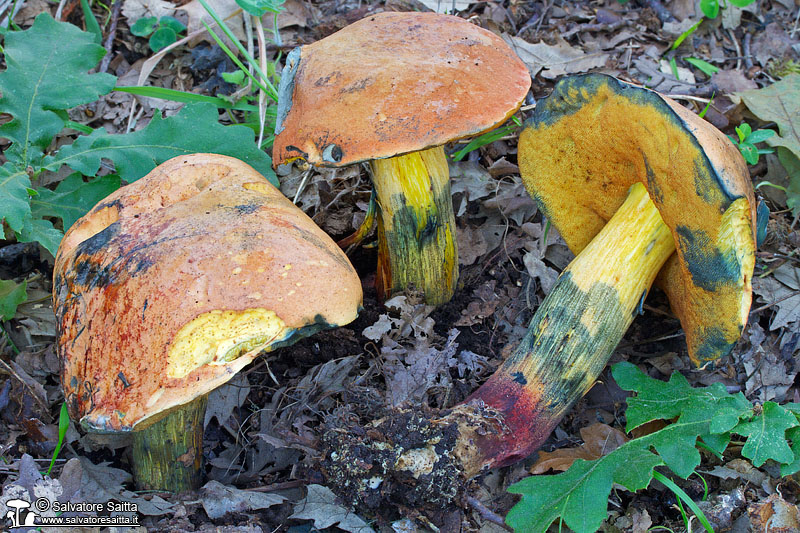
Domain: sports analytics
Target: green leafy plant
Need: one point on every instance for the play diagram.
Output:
(162, 31)
(780, 103)
(704, 417)
(710, 8)
(747, 140)
(63, 426)
(48, 73)
(11, 295)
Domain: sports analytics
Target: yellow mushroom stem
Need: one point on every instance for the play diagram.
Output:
(416, 239)
(572, 335)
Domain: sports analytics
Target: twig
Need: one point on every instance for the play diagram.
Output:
(779, 300)
(663, 14)
(748, 59)
(112, 32)
(738, 49)
(278, 486)
(487, 514)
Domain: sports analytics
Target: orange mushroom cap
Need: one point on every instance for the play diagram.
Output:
(394, 83)
(171, 285)
(594, 136)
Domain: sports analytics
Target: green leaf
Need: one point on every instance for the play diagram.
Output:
(657, 400)
(194, 129)
(91, 23)
(144, 26)
(41, 231)
(47, 71)
(580, 495)
(710, 8)
(792, 165)
(749, 152)
(766, 434)
(162, 38)
(741, 3)
(779, 103)
(236, 77)
(743, 130)
(682, 37)
(760, 136)
(793, 467)
(14, 198)
(705, 67)
(172, 23)
(11, 295)
(258, 8)
(73, 197)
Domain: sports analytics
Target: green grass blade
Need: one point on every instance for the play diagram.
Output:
(667, 482)
(185, 97)
(273, 93)
(63, 425)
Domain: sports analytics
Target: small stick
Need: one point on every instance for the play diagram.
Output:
(486, 513)
(112, 31)
(748, 59)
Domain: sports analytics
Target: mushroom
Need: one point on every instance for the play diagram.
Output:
(639, 187)
(392, 89)
(170, 286)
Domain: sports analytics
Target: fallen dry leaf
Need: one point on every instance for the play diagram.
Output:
(598, 440)
(555, 60)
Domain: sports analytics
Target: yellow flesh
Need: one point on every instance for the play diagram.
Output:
(218, 337)
(416, 224)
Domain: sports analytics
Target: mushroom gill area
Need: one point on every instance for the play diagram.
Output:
(591, 145)
(218, 337)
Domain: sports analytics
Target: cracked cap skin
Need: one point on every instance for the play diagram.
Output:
(394, 83)
(594, 137)
(172, 284)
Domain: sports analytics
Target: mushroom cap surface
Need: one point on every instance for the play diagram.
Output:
(594, 136)
(394, 83)
(172, 284)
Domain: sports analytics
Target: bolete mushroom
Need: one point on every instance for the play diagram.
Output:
(170, 286)
(392, 89)
(636, 185)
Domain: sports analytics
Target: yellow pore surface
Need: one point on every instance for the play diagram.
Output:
(626, 255)
(218, 337)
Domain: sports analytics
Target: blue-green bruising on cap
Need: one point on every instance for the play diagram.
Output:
(572, 93)
(762, 218)
(709, 267)
(714, 343)
(286, 88)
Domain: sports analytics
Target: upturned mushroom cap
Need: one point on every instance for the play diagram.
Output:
(594, 136)
(394, 83)
(174, 283)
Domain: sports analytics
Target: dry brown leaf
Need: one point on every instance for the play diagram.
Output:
(133, 10)
(774, 515)
(555, 60)
(598, 440)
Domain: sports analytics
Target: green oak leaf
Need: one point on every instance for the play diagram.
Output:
(194, 129)
(41, 231)
(11, 295)
(73, 197)
(580, 495)
(47, 73)
(794, 435)
(766, 434)
(14, 198)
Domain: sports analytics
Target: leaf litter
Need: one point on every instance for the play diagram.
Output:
(267, 436)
